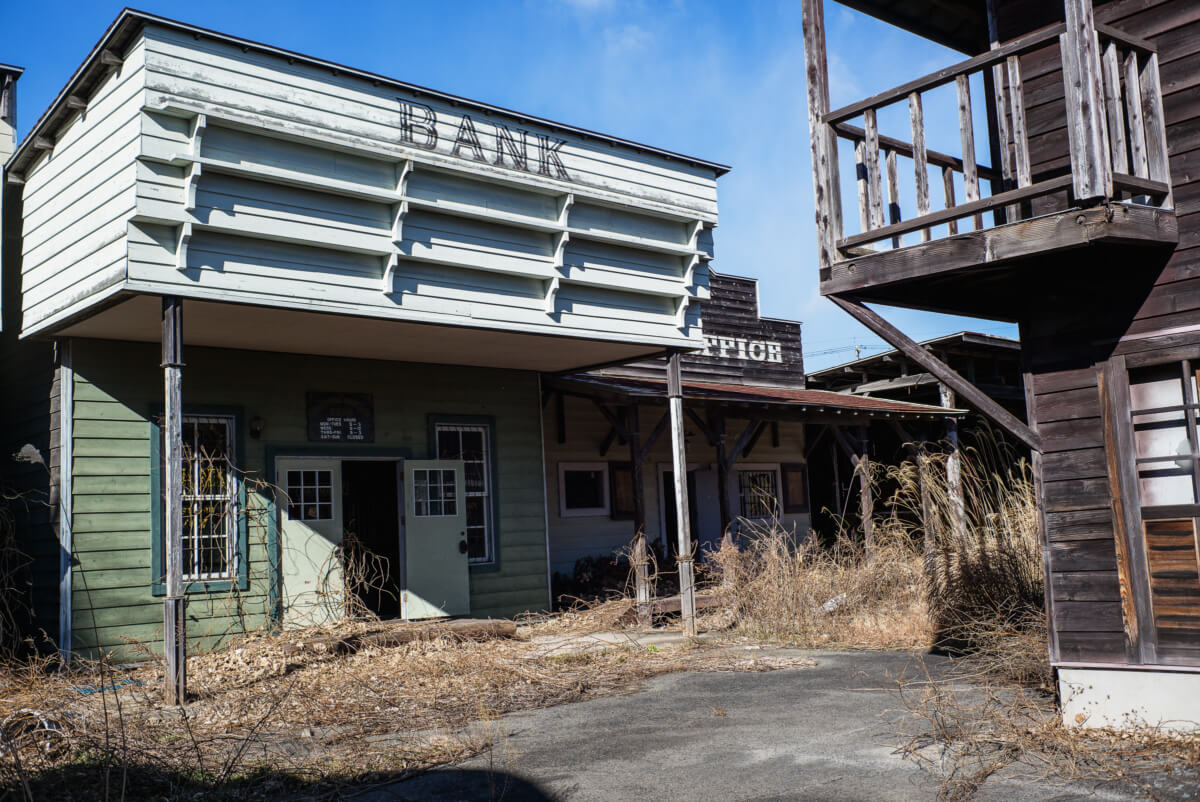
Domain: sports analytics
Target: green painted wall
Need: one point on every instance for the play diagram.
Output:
(118, 390)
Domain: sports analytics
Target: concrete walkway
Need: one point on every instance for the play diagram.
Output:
(825, 733)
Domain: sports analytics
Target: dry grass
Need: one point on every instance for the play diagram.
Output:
(777, 587)
(275, 715)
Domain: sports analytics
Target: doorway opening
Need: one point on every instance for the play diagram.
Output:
(371, 539)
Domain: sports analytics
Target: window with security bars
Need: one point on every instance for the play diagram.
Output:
(209, 498)
(758, 493)
(434, 493)
(471, 444)
(310, 495)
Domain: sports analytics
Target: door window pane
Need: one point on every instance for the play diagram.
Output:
(310, 495)
(434, 493)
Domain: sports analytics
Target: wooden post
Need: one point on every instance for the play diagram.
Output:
(641, 573)
(958, 512)
(921, 160)
(1087, 132)
(827, 191)
(866, 496)
(966, 132)
(687, 577)
(718, 430)
(996, 106)
(634, 430)
(640, 555)
(174, 623)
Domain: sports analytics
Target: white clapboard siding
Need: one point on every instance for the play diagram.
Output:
(215, 72)
(210, 171)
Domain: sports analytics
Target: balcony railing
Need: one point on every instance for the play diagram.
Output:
(1110, 106)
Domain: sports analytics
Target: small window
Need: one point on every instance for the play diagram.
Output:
(758, 492)
(310, 495)
(583, 488)
(620, 488)
(795, 487)
(1164, 410)
(435, 493)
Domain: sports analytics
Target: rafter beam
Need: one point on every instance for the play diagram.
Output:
(972, 394)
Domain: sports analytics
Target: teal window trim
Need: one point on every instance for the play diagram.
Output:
(158, 569)
(489, 421)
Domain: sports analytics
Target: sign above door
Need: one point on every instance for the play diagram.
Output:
(341, 418)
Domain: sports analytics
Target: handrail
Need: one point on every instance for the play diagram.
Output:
(902, 148)
(1016, 47)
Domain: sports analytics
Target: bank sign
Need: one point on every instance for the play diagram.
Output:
(743, 349)
(483, 141)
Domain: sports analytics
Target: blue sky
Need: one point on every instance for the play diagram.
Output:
(722, 81)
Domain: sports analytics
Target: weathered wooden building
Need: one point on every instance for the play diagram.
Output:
(608, 467)
(358, 285)
(1073, 212)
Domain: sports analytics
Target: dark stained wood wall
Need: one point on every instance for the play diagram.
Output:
(732, 312)
(1113, 301)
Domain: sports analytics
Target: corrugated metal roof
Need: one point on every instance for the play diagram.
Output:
(816, 400)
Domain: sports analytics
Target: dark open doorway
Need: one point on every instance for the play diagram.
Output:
(370, 504)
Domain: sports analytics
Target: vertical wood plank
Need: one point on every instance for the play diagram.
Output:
(687, 580)
(641, 572)
(966, 132)
(874, 181)
(823, 141)
(866, 496)
(1132, 564)
(718, 428)
(1157, 156)
(1133, 109)
(1020, 132)
(1086, 129)
(1113, 107)
(916, 115)
(66, 495)
(633, 428)
(860, 174)
(1039, 489)
(996, 145)
(1004, 134)
(948, 191)
(893, 181)
(958, 507)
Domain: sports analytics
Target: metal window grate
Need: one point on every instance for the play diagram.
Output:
(758, 493)
(209, 498)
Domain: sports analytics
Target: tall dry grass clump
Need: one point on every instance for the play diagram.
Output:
(780, 586)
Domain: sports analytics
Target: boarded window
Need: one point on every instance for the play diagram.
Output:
(621, 491)
(795, 487)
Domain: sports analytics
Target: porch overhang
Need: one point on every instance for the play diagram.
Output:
(208, 323)
(751, 402)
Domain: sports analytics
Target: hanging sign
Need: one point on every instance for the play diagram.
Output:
(341, 418)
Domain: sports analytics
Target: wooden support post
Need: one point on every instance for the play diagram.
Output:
(641, 573)
(976, 397)
(174, 622)
(634, 430)
(717, 426)
(687, 576)
(874, 179)
(860, 181)
(866, 495)
(827, 192)
(1087, 133)
(997, 115)
(958, 510)
(560, 417)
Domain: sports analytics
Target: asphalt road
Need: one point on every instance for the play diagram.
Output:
(823, 733)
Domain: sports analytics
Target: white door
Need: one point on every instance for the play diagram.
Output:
(311, 531)
(435, 540)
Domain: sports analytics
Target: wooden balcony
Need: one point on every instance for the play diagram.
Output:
(1081, 184)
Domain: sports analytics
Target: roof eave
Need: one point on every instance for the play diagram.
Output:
(131, 20)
